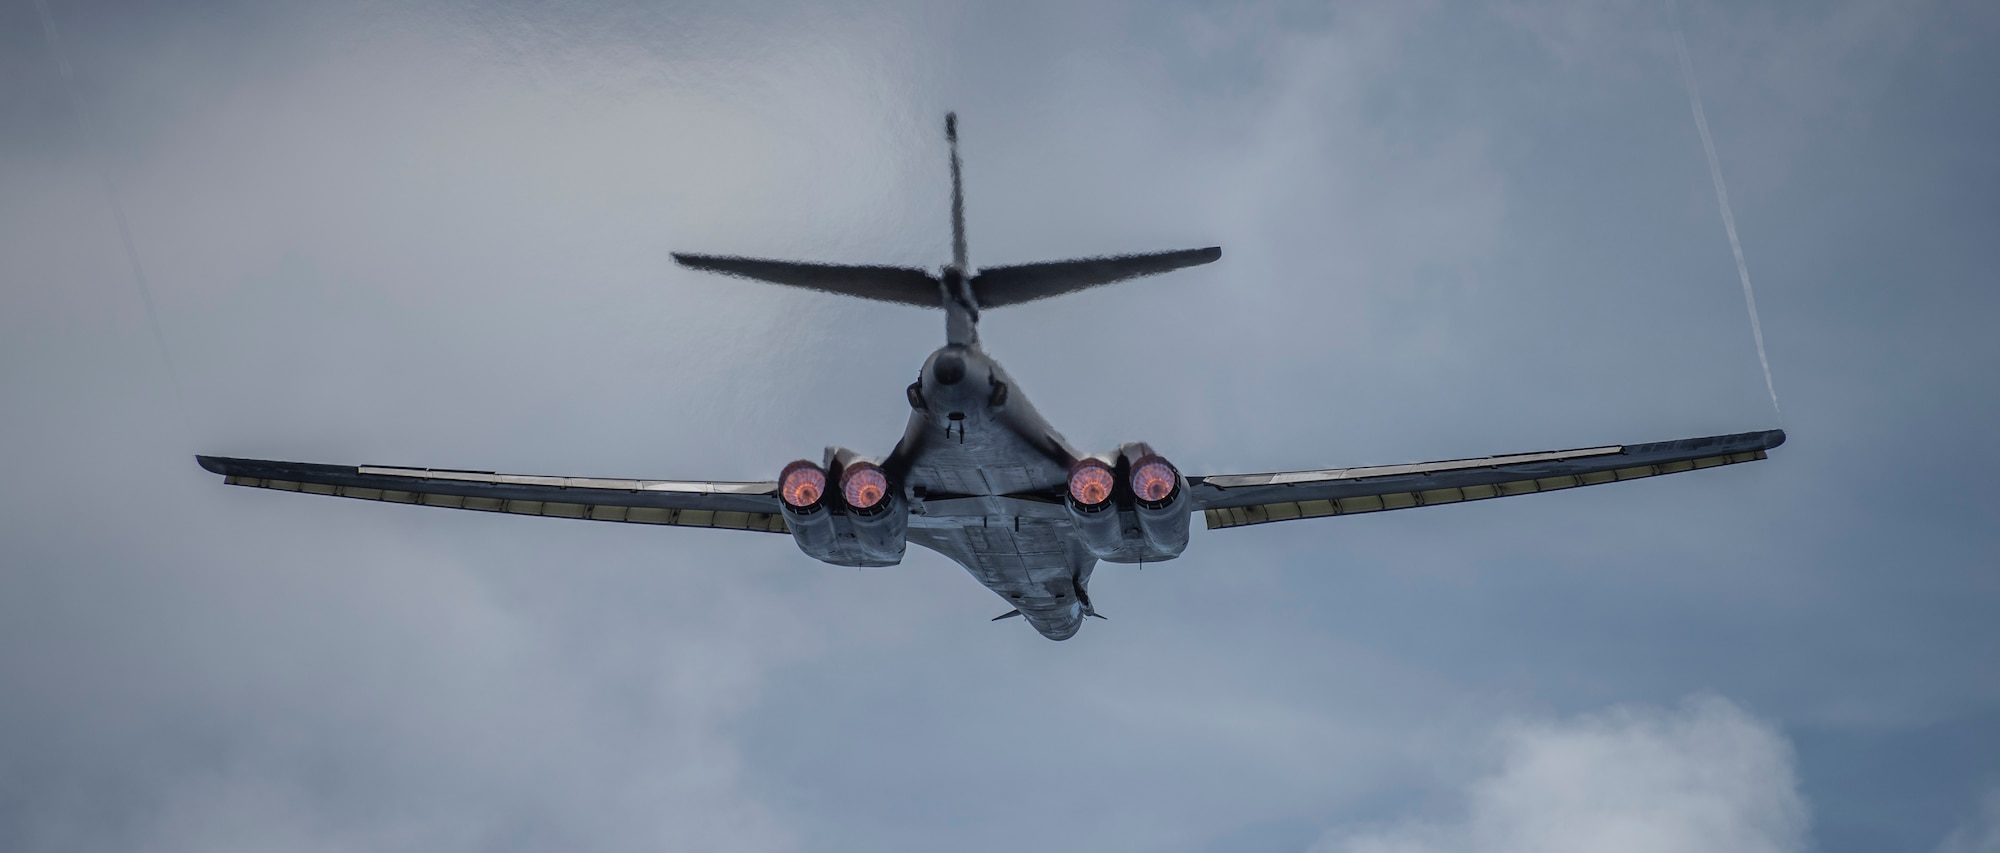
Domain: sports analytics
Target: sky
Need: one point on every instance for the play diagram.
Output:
(438, 234)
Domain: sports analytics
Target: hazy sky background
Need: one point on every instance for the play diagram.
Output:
(438, 235)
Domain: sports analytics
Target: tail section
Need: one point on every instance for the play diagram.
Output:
(957, 194)
(879, 283)
(956, 288)
(885, 284)
(995, 287)
(961, 310)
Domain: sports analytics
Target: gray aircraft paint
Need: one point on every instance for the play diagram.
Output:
(982, 476)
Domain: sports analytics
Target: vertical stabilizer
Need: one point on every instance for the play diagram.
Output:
(957, 195)
(961, 322)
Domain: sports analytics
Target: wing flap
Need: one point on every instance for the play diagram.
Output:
(733, 506)
(1240, 500)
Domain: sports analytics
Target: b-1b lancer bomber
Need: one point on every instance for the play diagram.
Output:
(979, 476)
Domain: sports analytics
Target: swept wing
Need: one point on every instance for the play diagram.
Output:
(1235, 500)
(681, 503)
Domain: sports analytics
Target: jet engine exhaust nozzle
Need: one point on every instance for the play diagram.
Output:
(802, 485)
(1091, 483)
(1154, 482)
(864, 486)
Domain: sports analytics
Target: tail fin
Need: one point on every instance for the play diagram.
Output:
(998, 286)
(901, 285)
(957, 194)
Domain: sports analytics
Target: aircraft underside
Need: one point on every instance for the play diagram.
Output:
(979, 476)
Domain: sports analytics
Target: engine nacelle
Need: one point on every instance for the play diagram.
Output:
(1159, 499)
(877, 515)
(1093, 507)
(808, 510)
(865, 522)
(1130, 508)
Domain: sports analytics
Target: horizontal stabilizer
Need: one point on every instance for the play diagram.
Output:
(887, 284)
(1013, 285)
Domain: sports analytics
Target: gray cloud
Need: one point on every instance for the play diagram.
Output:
(1980, 834)
(1704, 776)
(438, 235)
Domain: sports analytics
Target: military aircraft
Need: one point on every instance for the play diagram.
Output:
(979, 476)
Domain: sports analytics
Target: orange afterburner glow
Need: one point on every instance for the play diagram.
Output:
(1090, 482)
(863, 485)
(1153, 480)
(802, 484)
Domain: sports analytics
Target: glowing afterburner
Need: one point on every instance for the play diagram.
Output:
(802, 483)
(864, 486)
(1091, 482)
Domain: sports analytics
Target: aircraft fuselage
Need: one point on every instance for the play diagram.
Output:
(986, 477)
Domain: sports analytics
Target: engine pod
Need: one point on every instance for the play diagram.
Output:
(802, 492)
(1159, 500)
(873, 521)
(863, 523)
(1093, 507)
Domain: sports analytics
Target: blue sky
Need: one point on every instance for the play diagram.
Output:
(438, 235)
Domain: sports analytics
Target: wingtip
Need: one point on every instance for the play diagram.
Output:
(1773, 438)
(213, 464)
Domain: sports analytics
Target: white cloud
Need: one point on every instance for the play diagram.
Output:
(1706, 776)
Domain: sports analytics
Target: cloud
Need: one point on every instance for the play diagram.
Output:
(1981, 834)
(437, 234)
(1706, 776)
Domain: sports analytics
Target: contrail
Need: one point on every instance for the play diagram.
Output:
(1722, 201)
(117, 206)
